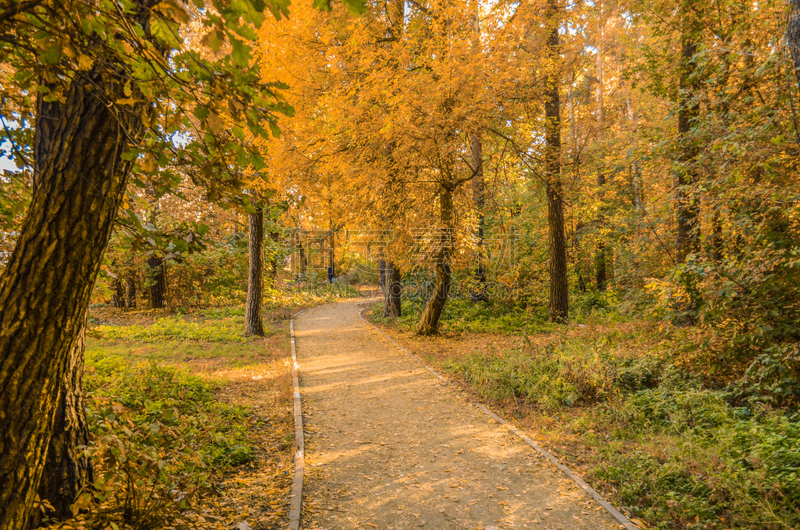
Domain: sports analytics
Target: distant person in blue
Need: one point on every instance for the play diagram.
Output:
(330, 274)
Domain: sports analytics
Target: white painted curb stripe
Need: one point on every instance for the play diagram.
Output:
(567, 471)
(296, 499)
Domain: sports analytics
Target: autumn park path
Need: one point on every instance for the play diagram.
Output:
(390, 446)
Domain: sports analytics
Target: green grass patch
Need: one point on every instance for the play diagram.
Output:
(159, 436)
(176, 327)
(174, 352)
(463, 315)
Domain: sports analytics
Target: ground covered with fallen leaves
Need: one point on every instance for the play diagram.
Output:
(243, 435)
(391, 446)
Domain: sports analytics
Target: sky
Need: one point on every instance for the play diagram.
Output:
(6, 163)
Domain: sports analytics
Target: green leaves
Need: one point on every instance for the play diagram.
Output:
(51, 55)
(240, 52)
(355, 6)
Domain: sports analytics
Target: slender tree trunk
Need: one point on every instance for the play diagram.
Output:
(716, 236)
(80, 179)
(303, 261)
(382, 268)
(66, 469)
(687, 207)
(394, 291)
(429, 321)
(158, 285)
(558, 307)
(478, 293)
(118, 298)
(273, 260)
(636, 174)
(478, 290)
(253, 326)
(601, 274)
(793, 37)
(573, 131)
(130, 292)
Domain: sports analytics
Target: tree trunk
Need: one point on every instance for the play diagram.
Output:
(382, 275)
(158, 286)
(793, 37)
(478, 289)
(429, 321)
(66, 470)
(130, 292)
(478, 292)
(80, 179)
(636, 174)
(573, 132)
(118, 298)
(558, 307)
(303, 262)
(253, 325)
(716, 236)
(687, 207)
(601, 274)
(394, 291)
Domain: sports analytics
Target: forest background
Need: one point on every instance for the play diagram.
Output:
(611, 184)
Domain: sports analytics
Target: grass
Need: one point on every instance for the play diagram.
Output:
(462, 315)
(612, 399)
(176, 421)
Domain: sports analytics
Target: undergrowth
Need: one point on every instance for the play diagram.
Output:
(669, 446)
(159, 437)
(677, 454)
(224, 329)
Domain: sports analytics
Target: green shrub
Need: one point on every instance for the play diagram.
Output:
(158, 436)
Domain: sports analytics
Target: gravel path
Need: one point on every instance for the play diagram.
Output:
(390, 446)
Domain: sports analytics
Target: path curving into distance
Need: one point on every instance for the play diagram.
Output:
(390, 446)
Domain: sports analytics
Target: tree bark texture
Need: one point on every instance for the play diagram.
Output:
(66, 470)
(130, 292)
(601, 274)
(393, 289)
(429, 321)
(158, 285)
(687, 206)
(793, 37)
(382, 275)
(636, 174)
(118, 298)
(478, 293)
(253, 325)
(80, 179)
(558, 307)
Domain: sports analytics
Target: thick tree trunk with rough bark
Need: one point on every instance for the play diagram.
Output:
(429, 321)
(66, 470)
(393, 289)
(558, 307)
(253, 325)
(158, 282)
(80, 179)
(687, 206)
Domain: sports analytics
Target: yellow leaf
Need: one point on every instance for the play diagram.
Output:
(85, 62)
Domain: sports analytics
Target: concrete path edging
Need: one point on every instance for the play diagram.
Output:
(619, 516)
(296, 498)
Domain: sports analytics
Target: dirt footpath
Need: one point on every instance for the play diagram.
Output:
(390, 446)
